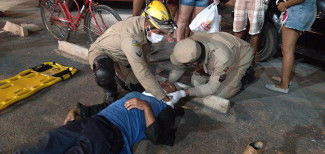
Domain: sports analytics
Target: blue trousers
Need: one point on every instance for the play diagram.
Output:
(92, 135)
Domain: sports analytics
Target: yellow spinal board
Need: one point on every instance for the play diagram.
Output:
(30, 81)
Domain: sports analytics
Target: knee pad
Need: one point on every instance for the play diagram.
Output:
(104, 71)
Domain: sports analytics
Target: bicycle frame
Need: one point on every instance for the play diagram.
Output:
(92, 14)
(67, 15)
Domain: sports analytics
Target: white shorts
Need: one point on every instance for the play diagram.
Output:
(254, 10)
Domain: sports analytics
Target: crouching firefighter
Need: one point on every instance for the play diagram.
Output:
(223, 57)
(120, 54)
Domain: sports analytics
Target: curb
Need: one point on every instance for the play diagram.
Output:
(73, 49)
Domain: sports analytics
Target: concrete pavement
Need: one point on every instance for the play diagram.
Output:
(286, 123)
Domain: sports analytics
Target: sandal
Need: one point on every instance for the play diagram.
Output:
(278, 79)
(276, 89)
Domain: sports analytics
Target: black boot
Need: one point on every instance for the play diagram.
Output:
(105, 77)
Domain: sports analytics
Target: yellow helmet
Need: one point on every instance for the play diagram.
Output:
(160, 16)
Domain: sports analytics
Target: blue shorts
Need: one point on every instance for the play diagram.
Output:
(301, 16)
(197, 3)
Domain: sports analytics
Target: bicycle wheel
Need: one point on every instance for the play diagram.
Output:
(54, 24)
(104, 16)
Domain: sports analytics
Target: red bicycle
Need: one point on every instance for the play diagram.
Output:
(59, 21)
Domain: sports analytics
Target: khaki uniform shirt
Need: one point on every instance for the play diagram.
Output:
(125, 42)
(223, 52)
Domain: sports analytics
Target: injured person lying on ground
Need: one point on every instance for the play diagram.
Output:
(115, 129)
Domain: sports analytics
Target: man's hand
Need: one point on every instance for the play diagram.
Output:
(141, 105)
(72, 115)
(282, 6)
(175, 97)
(136, 103)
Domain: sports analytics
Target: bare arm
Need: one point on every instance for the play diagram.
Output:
(141, 105)
(283, 5)
(150, 118)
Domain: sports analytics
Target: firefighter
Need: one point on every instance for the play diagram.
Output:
(223, 58)
(123, 50)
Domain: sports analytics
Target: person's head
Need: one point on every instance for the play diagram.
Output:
(188, 52)
(168, 87)
(159, 21)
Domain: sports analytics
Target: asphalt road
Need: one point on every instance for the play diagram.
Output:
(286, 123)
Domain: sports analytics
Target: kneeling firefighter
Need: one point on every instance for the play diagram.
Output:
(123, 50)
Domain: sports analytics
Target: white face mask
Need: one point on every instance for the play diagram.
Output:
(155, 38)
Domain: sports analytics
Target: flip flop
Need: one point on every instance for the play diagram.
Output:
(276, 89)
(275, 78)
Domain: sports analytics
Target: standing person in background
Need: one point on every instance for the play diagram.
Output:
(188, 9)
(301, 15)
(137, 7)
(173, 6)
(255, 11)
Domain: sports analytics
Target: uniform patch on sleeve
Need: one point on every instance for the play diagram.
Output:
(135, 43)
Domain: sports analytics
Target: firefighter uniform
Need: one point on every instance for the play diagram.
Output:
(125, 43)
(226, 60)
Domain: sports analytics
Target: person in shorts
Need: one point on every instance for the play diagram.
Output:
(188, 9)
(301, 15)
(254, 11)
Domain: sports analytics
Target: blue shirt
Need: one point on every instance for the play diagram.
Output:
(131, 123)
